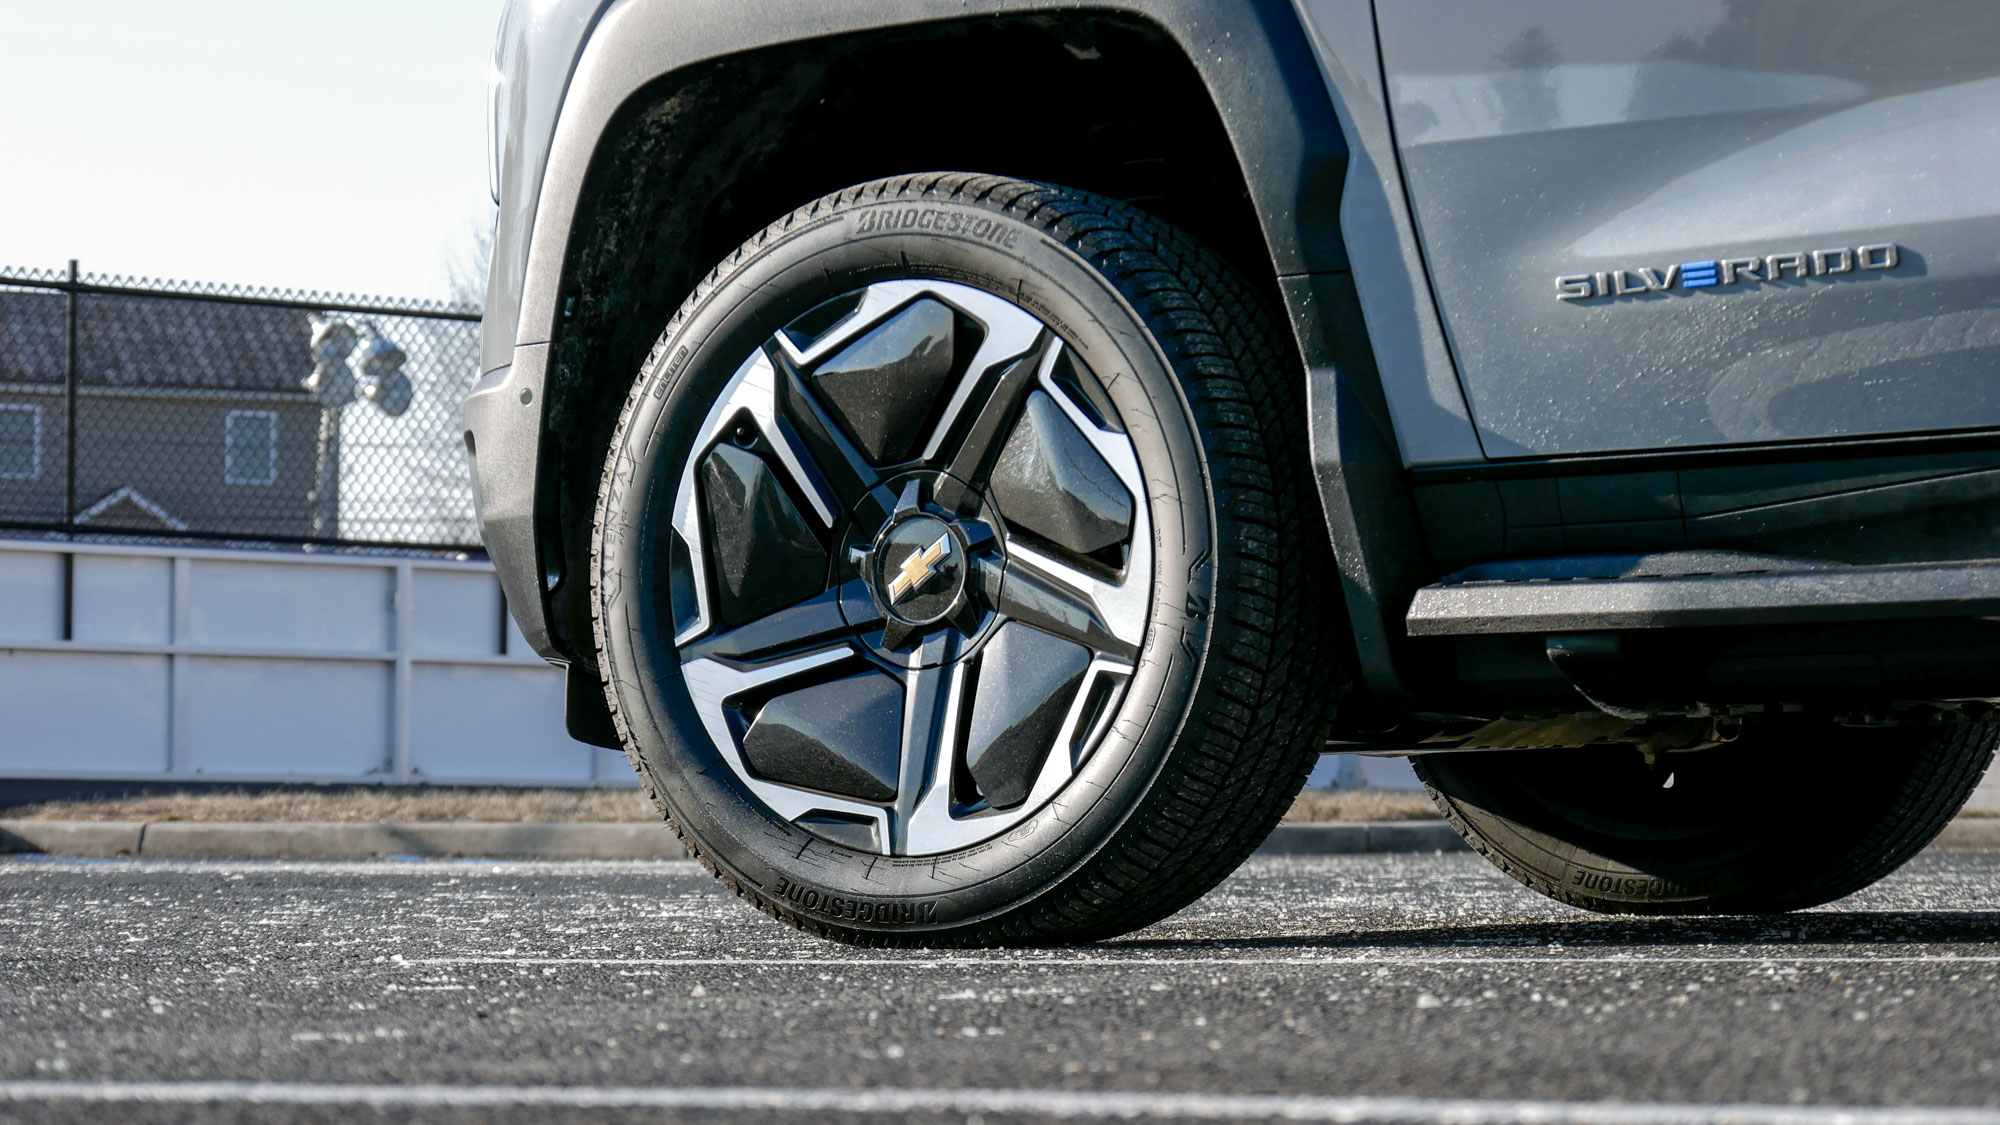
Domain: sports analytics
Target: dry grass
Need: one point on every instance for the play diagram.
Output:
(356, 804)
(367, 804)
(1318, 805)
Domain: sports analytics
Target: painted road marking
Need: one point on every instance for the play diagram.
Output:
(1622, 959)
(961, 1100)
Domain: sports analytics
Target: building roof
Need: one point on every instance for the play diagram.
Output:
(155, 342)
(129, 508)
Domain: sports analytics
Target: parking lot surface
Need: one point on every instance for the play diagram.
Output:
(1353, 988)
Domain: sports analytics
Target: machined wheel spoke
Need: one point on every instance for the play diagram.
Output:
(928, 699)
(810, 624)
(755, 392)
(982, 435)
(1010, 332)
(847, 473)
(1065, 593)
(917, 568)
(751, 393)
(713, 684)
(1060, 599)
(1005, 332)
(716, 686)
(877, 302)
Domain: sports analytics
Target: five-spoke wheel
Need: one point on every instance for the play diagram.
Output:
(913, 566)
(955, 577)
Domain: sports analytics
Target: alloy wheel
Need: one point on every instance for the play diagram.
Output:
(911, 568)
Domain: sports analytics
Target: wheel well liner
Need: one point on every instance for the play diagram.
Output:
(1245, 153)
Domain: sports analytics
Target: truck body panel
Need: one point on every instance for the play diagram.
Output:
(1573, 168)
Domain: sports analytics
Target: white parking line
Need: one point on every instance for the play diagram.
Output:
(1140, 962)
(1051, 1103)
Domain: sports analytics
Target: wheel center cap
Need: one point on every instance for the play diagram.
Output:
(922, 570)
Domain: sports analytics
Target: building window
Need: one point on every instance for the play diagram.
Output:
(250, 447)
(20, 442)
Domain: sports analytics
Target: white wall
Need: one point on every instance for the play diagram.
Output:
(232, 665)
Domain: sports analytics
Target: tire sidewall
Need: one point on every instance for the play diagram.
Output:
(820, 253)
(1514, 830)
(1799, 824)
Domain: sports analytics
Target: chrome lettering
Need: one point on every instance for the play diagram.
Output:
(1746, 268)
(1882, 256)
(1783, 265)
(1574, 287)
(1775, 265)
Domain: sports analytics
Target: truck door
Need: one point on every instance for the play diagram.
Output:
(1710, 222)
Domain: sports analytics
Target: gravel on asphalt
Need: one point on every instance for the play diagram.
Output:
(1331, 988)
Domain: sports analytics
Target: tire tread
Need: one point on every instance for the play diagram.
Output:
(1262, 697)
(1932, 781)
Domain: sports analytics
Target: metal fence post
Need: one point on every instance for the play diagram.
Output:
(402, 683)
(69, 400)
(179, 683)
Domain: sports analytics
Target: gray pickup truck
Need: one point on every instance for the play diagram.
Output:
(975, 455)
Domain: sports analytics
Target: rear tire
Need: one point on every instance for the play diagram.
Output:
(806, 465)
(1788, 816)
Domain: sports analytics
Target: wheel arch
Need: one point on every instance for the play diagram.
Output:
(670, 166)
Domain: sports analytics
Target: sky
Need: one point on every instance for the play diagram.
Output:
(337, 147)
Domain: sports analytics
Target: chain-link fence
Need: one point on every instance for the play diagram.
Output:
(169, 409)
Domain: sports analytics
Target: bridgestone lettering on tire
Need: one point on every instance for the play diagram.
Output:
(1791, 815)
(957, 575)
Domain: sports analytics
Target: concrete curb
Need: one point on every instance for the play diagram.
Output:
(333, 840)
(337, 840)
(1970, 832)
(641, 840)
(90, 839)
(181, 839)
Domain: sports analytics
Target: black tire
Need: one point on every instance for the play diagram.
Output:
(1221, 718)
(1787, 817)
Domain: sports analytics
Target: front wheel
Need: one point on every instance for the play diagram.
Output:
(956, 572)
(1791, 815)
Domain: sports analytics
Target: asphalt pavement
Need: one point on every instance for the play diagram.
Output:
(1350, 988)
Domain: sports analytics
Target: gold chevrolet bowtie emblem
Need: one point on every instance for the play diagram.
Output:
(918, 568)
